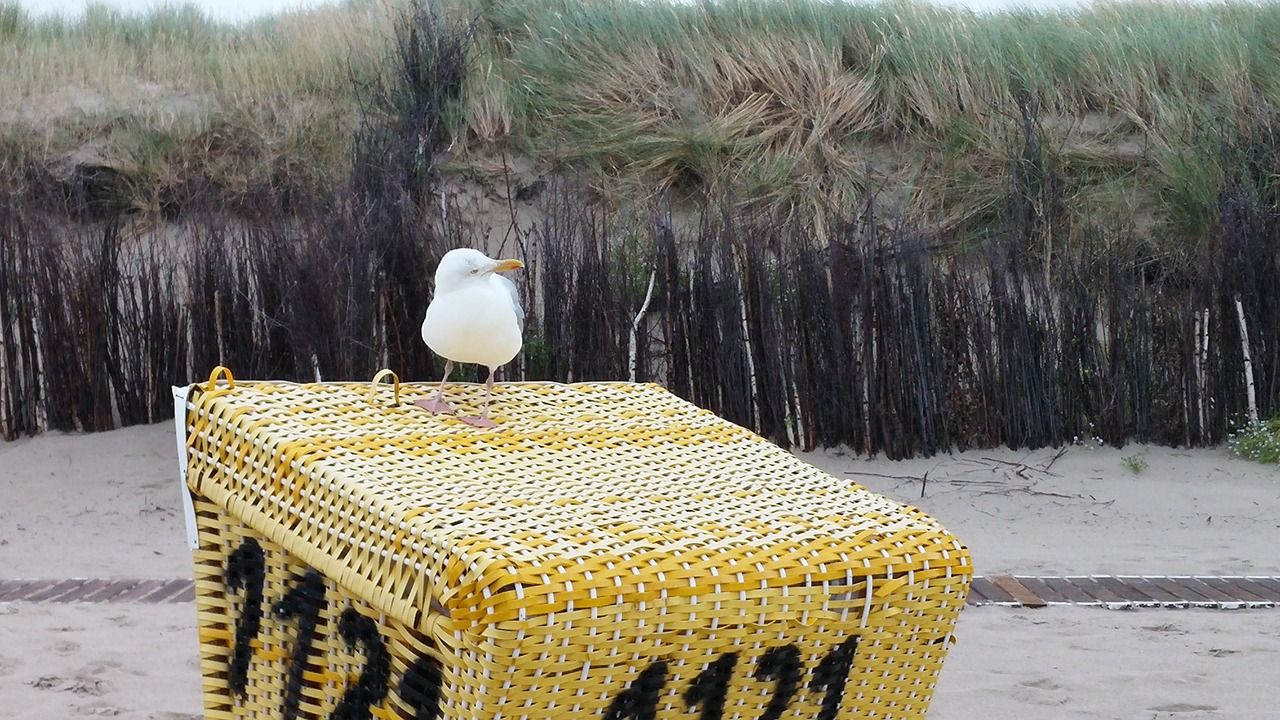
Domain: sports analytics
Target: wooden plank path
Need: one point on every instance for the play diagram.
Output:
(85, 590)
(1116, 592)
(1123, 592)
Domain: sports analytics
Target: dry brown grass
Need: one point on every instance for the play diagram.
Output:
(162, 95)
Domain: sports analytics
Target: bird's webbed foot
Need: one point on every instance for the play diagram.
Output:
(435, 405)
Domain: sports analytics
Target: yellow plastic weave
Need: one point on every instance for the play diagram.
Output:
(604, 550)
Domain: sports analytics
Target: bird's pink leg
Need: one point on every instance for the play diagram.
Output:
(436, 403)
(483, 420)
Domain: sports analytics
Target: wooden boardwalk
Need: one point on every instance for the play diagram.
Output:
(1120, 592)
(1115, 592)
(86, 590)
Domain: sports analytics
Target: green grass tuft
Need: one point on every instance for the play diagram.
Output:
(1137, 463)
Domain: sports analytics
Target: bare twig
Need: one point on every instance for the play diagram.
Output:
(889, 477)
(1061, 451)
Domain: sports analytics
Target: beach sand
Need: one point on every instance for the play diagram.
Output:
(108, 505)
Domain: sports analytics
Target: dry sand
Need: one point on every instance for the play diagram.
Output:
(107, 505)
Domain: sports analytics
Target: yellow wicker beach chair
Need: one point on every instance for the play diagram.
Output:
(609, 551)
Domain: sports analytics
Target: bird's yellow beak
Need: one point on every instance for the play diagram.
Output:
(510, 264)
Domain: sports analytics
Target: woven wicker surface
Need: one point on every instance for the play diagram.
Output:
(264, 685)
(605, 537)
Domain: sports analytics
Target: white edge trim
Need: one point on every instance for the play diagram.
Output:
(180, 432)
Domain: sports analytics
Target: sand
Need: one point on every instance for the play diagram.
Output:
(108, 505)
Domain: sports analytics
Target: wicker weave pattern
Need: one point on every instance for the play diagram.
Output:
(550, 563)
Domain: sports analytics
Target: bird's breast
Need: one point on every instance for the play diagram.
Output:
(473, 325)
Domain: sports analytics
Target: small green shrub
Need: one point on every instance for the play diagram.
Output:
(1136, 463)
(1257, 441)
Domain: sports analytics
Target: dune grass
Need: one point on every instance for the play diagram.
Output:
(169, 95)
(793, 99)
(790, 104)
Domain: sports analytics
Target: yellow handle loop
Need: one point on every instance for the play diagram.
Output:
(373, 386)
(213, 380)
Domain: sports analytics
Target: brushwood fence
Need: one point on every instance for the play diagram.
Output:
(870, 337)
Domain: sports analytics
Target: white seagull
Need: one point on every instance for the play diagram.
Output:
(474, 317)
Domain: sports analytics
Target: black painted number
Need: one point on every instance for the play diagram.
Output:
(640, 700)
(245, 571)
(782, 666)
(420, 687)
(303, 603)
(371, 688)
(711, 686)
(832, 674)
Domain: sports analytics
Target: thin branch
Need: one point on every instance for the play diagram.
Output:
(633, 344)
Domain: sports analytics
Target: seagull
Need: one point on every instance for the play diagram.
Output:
(474, 317)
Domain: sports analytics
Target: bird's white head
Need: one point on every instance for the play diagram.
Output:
(464, 265)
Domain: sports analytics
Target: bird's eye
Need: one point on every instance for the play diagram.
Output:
(475, 271)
